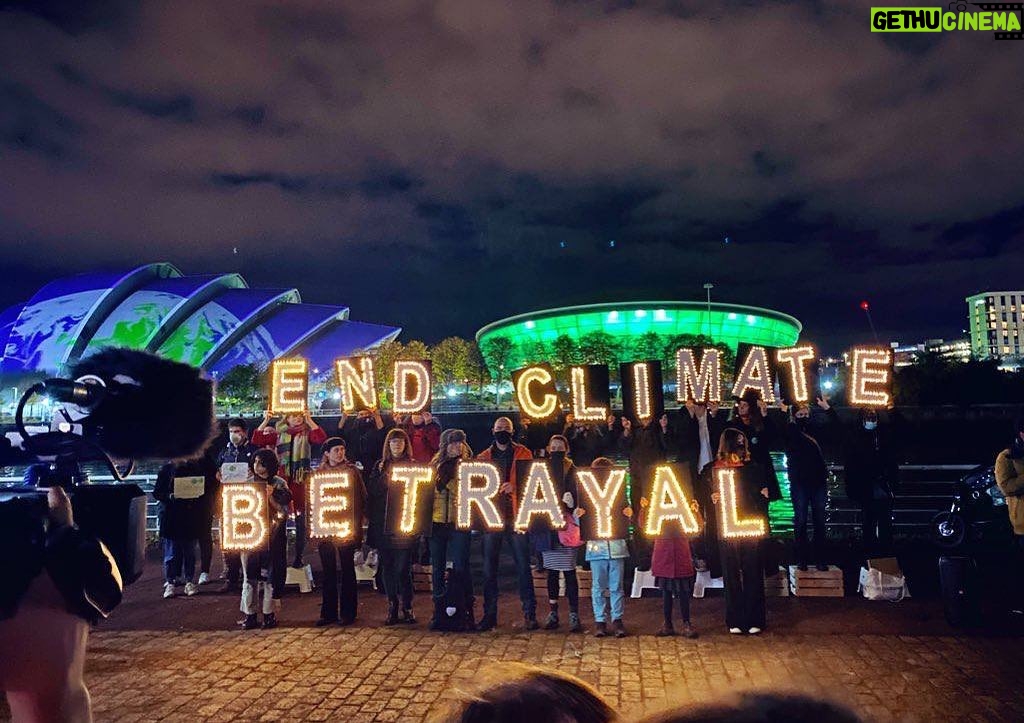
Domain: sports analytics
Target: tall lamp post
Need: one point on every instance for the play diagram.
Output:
(708, 287)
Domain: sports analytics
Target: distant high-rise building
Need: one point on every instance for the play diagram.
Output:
(997, 326)
(956, 350)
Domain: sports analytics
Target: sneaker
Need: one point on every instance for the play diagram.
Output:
(249, 622)
(735, 631)
(754, 631)
(487, 622)
(191, 589)
(619, 628)
(552, 622)
(574, 623)
(269, 621)
(204, 578)
(530, 622)
(665, 632)
(600, 630)
(689, 631)
(168, 590)
(324, 622)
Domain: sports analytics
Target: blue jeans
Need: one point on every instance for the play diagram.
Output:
(520, 545)
(179, 560)
(447, 543)
(803, 498)
(607, 576)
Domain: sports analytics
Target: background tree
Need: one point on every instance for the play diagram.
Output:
(243, 389)
(498, 354)
(451, 361)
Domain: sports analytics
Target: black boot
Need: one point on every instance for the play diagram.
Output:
(437, 617)
(269, 621)
(249, 622)
(392, 614)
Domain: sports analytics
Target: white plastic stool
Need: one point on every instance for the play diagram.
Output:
(366, 572)
(641, 580)
(704, 581)
(301, 576)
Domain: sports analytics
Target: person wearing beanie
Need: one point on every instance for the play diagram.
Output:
(1009, 472)
(337, 559)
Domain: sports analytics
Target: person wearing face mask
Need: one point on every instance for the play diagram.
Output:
(505, 453)
(272, 557)
(337, 559)
(808, 480)
(447, 542)
(292, 438)
(872, 470)
(559, 548)
(238, 449)
(751, 417)
(364, 436)
(396, 551)
(424, 436)
(742, 558)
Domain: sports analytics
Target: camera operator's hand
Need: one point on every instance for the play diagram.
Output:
(60, 507)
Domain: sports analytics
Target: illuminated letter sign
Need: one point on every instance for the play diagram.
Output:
(289, 385)
(602, 495)
(589, 380)
(245, 523)
(410, 499)
(754, 373)
(537, 496)
(670, 503)
(479, 483)
(796, 380)
(332, 505)
(642, 394)
(541, 378)
(871, 376)
(703, 383)
(412, 386)
(731, 526)
(358, 383)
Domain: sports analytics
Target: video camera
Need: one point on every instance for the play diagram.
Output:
(120, 404)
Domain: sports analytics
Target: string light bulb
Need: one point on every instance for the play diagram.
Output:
(414, 374)
(755, 374)
(602, 497)
(669, 503)
(535, 375)
(539, 499)
(353, 382)
(730, 524)
(244, 522)
(581, 410)
(413, 478)
(479, 484)
(796, 359)
(871, 372)
(289, 386)
(703, 383)
(330, 505)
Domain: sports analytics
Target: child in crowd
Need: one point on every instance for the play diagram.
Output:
(272, 557)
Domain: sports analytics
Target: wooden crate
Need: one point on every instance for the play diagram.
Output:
(421, 578)
(777, 585)
(816, 583)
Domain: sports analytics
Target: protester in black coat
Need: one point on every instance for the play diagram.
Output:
(364, 437)
(751, 418)
(238, 449)
(184, 520)
(808, 480)
(697, 432)
(587, 442)
(871, 462)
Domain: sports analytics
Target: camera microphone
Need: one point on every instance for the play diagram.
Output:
(79, 393)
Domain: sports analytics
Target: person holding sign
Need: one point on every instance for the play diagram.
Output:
(273, 557)
(607, 558)
(238, 450)
(505, 453)
(293, 438)
(447, 542)
(335, 608)
(558, 556)
(183, 491)
(741, 501)
(751, 418)
(396, 550)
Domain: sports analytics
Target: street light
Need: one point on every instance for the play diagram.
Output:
(708, 287)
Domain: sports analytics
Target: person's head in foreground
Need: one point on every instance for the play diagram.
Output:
(512, 693)
(759, 708)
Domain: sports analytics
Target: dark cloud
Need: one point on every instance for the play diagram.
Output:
(439, 165)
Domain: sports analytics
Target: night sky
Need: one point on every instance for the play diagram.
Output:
(425, 162)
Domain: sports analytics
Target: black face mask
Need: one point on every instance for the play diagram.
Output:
(802, 423)
(503, 437)
(366, 421)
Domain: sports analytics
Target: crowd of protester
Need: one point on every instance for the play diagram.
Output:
(701, 436)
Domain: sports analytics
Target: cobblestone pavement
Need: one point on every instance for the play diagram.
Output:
(378, 674)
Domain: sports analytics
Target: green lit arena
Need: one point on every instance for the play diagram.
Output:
(627, 322)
